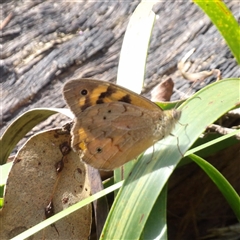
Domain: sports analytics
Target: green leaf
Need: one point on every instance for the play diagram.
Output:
(135, 46)
(134, 53)
(141, 189)
(217, 143)
(225, 22)
(221, 182)
(208, 144)
(22, 125)
(210, 147)
(157, 219)
(4, 171)
(66, 212)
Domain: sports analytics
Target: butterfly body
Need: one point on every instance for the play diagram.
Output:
(114, 125)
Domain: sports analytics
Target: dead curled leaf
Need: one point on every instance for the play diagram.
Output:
(31, 186)
(198, 76)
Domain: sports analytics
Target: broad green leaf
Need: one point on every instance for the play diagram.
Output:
(141, 189)
(4, 170)
(157, 217)
(133, 57)
(131, 69)
(22, 125)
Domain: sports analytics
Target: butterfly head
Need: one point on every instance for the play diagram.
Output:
(167, 122)
(176, 114)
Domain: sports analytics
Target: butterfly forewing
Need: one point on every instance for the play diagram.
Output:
(83, 93)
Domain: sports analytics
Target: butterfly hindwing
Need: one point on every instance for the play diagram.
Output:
(109, 134)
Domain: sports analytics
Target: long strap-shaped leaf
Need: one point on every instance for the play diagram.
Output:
(225, 22)
(219, 180)
(22, 125)
(141, 189)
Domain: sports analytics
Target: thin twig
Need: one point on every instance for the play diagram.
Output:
(223, 130)
(235, 113)
(6, 21)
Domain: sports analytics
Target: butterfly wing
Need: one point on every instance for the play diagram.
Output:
(113, 125)
(111, 134)
(83, 93)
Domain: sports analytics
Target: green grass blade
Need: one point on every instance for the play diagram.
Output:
(221, 182)
(131, 69)
(225, 22)
(133, 59)
(66, 212)
(205, 145)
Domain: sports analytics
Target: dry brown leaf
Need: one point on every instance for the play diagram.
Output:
(100, 206)
(163, 91)
(198, 76)
(34, 183)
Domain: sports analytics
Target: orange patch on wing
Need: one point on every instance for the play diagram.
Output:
(116, 96)
(97, 92)
(82, 133)
(82, 146)
(81, 101)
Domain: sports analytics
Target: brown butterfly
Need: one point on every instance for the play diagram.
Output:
(113, 125)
